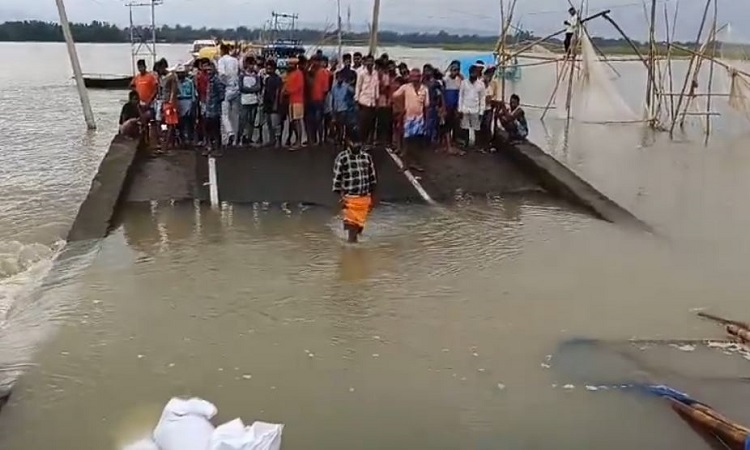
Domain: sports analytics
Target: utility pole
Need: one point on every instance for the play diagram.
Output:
(349, 19)
(143, 38)
(83, 94)
(338, 9)
(374, 27)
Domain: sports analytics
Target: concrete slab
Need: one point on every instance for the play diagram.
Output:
(95, 214)
(170, 177)
(300, 176)
(475, 173)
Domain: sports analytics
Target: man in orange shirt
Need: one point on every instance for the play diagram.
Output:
(319, 88)
(145, 84)
(294, 87)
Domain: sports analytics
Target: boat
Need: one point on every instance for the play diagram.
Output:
(282, 50)
(114, 82)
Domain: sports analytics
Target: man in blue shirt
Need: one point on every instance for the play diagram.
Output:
(452, 89)
(215, 98)
(342, 105)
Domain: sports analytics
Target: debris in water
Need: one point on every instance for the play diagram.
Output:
(481, 370)
(445, 350)
(463, 378)
(475, 354)
(273, 388)
(500, 386)
(554, 385)
(545, 366)
(569, 387)
(684, 348)
(351, 389)
(311, 355)
(140, 356)
(591, 388)
(64, 353)
(247, 376)
(170, 365)
(221, 369)
(376, 337)
(375, 355)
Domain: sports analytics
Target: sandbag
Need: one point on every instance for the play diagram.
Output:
(185, 425)
(235, 435)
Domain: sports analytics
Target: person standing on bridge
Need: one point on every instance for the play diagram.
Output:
(472, 99)
(416, 102)
(355, 181)
(229, 73)
(213, 111)
(367, 91)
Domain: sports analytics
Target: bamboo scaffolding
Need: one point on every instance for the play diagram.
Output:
(670, 38)
(690, 66)
(711, 71)
(550, 36)
(651, 83)
(696, 71)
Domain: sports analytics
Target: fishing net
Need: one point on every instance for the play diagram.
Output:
(734, 53)
(596, 98)
(739, 93)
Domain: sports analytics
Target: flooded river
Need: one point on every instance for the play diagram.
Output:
(434, 333)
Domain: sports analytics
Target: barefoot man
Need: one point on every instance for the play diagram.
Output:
(354, 180)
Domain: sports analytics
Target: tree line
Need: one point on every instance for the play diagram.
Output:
(38, 31)
(103, 32)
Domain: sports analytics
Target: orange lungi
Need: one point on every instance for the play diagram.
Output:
(356, 209)
(169, 113)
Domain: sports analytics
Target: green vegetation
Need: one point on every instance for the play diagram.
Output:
(38, 31)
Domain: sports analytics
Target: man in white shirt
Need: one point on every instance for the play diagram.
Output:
(472, 98)
(367, 91)
(571, 28)
(228, 68)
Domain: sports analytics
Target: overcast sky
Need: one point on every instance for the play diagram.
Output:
(480, 16)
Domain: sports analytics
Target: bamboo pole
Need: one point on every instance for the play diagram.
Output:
(690, 65)
(374, 28)
(723, 320)
(701, 58)
(670, 38)
(569, 99)
(556, 88)
(711, 72)
(651, 82)
(718, 62)
(550, 36)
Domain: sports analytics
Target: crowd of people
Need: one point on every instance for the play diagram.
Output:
(244, 100)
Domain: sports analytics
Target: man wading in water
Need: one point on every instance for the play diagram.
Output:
(355, 181)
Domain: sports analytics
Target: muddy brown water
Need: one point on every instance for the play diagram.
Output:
(431, 334)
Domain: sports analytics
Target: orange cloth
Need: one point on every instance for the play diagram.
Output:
(356, 209)
(321, 85)
(146, 86)
(294, 85)
(169, 112)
